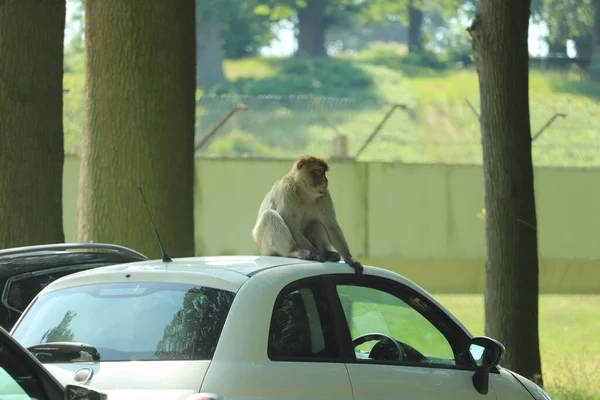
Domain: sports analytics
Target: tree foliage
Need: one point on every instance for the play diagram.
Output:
(243, 31)
(568, 19)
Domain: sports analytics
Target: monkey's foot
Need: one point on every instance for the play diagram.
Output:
(305, 254)
(331, 256)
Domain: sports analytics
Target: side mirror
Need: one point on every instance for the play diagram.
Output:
(78, 392)
(484, 353)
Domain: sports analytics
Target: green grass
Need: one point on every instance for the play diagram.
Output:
(356, 93)
(569, 344)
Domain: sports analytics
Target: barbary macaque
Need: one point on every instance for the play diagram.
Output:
(297, 217)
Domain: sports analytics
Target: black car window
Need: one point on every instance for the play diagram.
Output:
(378, 318)
(17, 379)
(391, 323)
(300, 326)
(21, 290)
(131, 321)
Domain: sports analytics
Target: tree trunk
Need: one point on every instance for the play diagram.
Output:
(583, 46)
(595, 64)
(499, 34)
(139, 125)
(209, 54)
(415, 28)
(557, 49)
(31, 128)
(311, 29)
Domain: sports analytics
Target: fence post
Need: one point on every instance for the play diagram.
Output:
(219, 124)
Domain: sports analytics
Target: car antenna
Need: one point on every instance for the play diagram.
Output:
(165, 257)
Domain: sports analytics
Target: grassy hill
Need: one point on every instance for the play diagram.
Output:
(355, 93)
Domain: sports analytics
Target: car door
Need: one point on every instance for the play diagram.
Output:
(22, 377)
(399, 345)
(290, 350)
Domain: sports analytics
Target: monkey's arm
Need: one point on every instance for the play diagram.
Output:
(336, 235)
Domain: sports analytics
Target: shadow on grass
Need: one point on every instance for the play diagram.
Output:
(299, 76)
(407, 68)
(584, 87)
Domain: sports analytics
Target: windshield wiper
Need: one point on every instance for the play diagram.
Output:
(64, 352)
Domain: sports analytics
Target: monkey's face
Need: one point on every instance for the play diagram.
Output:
(311, 171)
(319, 180)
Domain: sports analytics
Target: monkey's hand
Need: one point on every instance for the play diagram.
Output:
(354, 263)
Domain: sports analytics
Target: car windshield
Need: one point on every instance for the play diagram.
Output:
(131, 321)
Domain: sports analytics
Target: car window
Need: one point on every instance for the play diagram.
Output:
(17, 380)
(21, 289)
(387, 328)
(9, 388)
(300, 327)
(131, 321)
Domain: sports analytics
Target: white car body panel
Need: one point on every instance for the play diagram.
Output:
(183, 376)
(508, 387)
(391, 382)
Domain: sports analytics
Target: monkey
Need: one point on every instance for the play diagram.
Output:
(297, 218)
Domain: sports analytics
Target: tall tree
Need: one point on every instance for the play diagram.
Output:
(312, 25)
(499, 36)
(31, 129)
(313, 18)
(209, 53)
(570, 19)
(595, 67)
(243, 31)
(139, 124)
(415, 27)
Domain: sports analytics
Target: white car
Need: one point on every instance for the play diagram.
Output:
(251, 327)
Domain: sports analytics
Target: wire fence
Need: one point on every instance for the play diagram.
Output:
(566, 133)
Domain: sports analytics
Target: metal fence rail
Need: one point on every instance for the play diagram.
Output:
(440, 132)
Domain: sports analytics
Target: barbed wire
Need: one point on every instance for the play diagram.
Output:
(433, 132)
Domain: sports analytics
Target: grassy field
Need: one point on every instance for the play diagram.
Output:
(569, 332)
(356, 93)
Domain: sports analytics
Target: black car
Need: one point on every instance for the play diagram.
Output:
(22, 377)
(25, 271)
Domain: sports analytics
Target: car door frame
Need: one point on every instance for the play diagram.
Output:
(453, 333)
(326, 377)
(327, 313)
(46, 382)
(456, 336)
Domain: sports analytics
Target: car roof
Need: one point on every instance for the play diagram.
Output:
(24, 259)
(245, 265)
(230, 271)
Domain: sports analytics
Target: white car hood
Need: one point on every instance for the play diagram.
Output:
(157, 379)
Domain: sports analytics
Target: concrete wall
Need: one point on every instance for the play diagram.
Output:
(419, 220)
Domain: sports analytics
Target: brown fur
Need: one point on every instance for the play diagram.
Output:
(310, 161)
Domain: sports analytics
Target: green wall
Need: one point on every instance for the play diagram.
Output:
(418, 220)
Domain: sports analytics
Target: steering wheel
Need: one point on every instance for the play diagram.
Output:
(379, 336)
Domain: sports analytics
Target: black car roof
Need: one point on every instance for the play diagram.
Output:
(39, 257)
